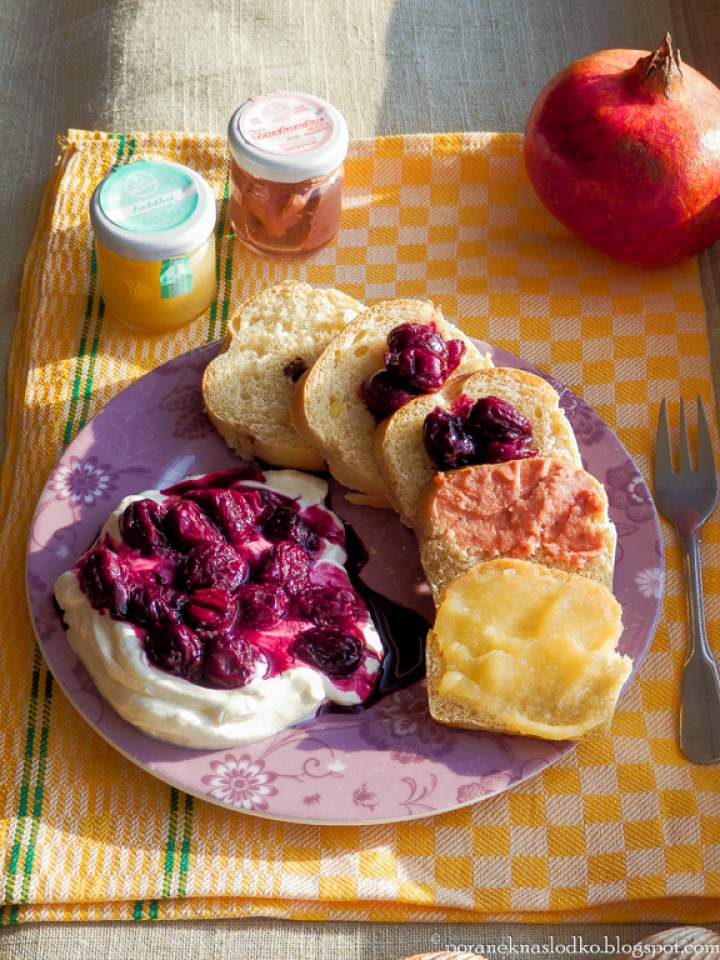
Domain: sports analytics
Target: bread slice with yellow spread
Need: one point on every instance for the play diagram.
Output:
(249, 388)
(403, 463)
(329, 411)
(519, 648)
(539, 509)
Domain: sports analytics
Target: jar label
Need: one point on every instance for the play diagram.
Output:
(148, 197)
(175, 277)
(286, 123)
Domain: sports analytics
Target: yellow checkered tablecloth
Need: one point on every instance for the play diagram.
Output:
(621, 829)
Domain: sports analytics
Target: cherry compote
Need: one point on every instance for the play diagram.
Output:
(218, 579)
(491, 430)
(418, 361)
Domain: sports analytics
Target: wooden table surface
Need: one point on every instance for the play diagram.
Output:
(392, 67)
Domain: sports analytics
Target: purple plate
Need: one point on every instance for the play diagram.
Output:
(389, 762)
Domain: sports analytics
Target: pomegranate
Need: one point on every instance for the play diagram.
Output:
(623, 148)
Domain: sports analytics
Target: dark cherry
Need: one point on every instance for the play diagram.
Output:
(288, 564)
(498, 451)
(455, 353)
(382, 395)
(233, 512)
(446, 441)
(213, 565)
(260, 502)
(229, 661)
(332, 651)
(284, 523)
(490, 430)
(328, 606)
(211, 610)
(418, 361)
(417, 368)
(174, 648)
(141, 527)
(494, 419)
(106, 580)
(417, 335)
(262, 605)
(154, 603)
(186, 525)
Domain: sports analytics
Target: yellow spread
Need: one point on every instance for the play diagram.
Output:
(531, 650)
(134, 293)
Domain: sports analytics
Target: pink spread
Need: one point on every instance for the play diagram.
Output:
(519, 509)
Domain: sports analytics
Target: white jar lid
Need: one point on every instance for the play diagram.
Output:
(152, 210)
(288, 137)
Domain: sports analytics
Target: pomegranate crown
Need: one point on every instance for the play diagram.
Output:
(661, 70)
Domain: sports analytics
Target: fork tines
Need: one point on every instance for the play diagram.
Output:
(705, 457)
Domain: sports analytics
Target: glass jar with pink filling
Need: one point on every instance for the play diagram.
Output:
(286, 173)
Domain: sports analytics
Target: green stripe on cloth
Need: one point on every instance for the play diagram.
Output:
(169, 852)
(39, 787)
(185, 848)
(212, 318)
(84, 333)
(9, 914)
(15, 850)
(87, 323)
(228, 282)
(87, 393)
(172, 837)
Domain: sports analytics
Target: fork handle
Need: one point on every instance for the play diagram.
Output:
(697, 640)
(700, 708)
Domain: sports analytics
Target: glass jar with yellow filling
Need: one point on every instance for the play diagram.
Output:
(154, 224)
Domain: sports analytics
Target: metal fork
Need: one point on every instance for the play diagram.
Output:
(687, 498)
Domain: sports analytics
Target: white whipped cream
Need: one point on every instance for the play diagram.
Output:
(177, 711)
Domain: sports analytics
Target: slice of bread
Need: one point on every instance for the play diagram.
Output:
(519, 648)
(403, 464)
(329, 412)
(539, 509)
(248, 389)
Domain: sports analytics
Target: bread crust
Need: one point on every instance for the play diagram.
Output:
(249, 447)
(373, 493)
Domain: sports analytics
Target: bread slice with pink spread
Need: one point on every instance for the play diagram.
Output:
(540, 509)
